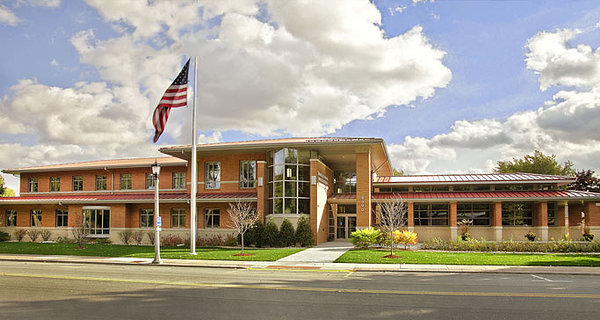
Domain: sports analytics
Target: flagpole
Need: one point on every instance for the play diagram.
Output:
(194, 186)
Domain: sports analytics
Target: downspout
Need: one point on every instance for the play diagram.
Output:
(112, 181)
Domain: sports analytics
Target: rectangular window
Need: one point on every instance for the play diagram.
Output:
(247, 174)
(431, 214)
(11, 218)
(478, 212)
(100, 183)
(33, 184)
(212, 218)
(77, 183)
(552, 216)
(517, 214)
(212, 175)
(36, 218)
(177, 218)
(54, 184)
(126, 181)
(346, 209)
(150, 181)
(96, 220)
(62, 217)
(146, 218)
(178, 180)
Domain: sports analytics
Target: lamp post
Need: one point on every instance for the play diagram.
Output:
(157, 222)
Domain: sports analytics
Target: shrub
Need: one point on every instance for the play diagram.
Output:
(365, 238)
(231, 241)
(64, 240)
(125, 236)
(4, 236)
(46, 235)
(33, 234)
(151, 236)
(138, 237)
(304, 234)
(20, 234)
(257, 235)
(171, 240)
(271, 234)
(512, 246)
(530, 236)
(405, 237)
(215, 240)
(287, 234)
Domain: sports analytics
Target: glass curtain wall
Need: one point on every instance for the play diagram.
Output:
(289, 181)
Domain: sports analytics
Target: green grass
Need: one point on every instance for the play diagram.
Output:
(111, 250)
(471, 258)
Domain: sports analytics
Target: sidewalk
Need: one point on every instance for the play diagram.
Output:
(290, 265)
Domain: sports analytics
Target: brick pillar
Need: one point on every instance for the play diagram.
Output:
(410, 216)
(363, 188)
(540, 219)
(496, 220)
(453, 220)
(261, 189)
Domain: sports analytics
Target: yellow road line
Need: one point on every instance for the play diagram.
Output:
(297, 269)
(310, 289)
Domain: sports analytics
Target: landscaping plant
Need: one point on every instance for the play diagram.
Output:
(271, 233)
(125, 236)
(20, 234)
(33, 234)
(242, 216)
(392, 215)
(304, 234)
(46, 235)
(463, 229)
(287, 234)
(138, 237)
(4, 236)
(366, 237)
(405, 237)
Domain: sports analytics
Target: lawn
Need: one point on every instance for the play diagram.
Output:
(471, 258)
(111, 250)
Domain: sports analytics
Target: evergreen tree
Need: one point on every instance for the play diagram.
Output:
(271, 234)
(287, 234)
(304, 234)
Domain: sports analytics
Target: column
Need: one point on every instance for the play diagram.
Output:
(410, 216)
(453, 219)
(363, 187)
(496, 220)
(540, 219)
(261, 187)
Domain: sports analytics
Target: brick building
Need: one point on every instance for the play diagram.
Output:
(338, 182)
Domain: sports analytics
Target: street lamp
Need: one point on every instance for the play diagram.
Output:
(157, 222)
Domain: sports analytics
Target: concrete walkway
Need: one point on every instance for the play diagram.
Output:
(324, 253)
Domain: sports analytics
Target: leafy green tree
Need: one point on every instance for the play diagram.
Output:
(586, 181)
(536, 163)
(287, 234)
(2, 188)
(398, 173)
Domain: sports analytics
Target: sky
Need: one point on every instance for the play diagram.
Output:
(452, 86)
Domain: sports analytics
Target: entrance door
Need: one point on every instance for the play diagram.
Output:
(345, 226)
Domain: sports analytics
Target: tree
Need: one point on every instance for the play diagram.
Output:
(397, 173)
(4, 191)
(287, 233)
(304, 234)
(242, 216)
(536, 163)
(79, 231)
(2, 188)
(392, 216)
(586, 181)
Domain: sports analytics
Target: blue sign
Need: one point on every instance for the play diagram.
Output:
(158, 221)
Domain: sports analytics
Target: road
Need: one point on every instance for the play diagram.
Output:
(33, 290)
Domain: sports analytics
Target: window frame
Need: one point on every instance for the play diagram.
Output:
(33, 184)
(470, 214)
(149, 215)
(54, 184)
(209, 216)
(101, 182)
(78, 181)
(428, 211)
(178, 180)
(62, 216)
(38, 214)
(126, 181)
(11, 213)
(247, 174)
(212, 175)
(178, 214)
(509, 218)
(150, 181)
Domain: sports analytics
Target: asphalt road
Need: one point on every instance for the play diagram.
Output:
(31, 290)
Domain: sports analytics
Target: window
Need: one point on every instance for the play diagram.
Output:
(289, 186)
(77, 183)
(146, 218)
(96, 220)
(126, 181)
(478, 212)
(33, 184)
(177, 218)
(431, 214)
(552, 216)
(345, 181)
(100, 182)
(36, 218)
(54, 184)
(514, 187)
(212, 175)
(11, 218)
(393, 189)
(150, 181)
(517, 214)
(346, 209)
(178, 180)
(62, 217)
(247, 174)
(211, 218)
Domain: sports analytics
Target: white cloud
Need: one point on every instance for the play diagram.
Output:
(7, 17)
(40, 3)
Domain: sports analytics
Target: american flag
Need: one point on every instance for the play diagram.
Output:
(174, 97)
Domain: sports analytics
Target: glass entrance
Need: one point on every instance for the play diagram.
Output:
(345, 226)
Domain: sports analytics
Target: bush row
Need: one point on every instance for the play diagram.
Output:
(511, 246)
(370, 237)
(215, 240)
(269, 235)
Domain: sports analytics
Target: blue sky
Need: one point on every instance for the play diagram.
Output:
(452, 86)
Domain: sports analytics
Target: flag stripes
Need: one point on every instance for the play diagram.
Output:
(175, 96)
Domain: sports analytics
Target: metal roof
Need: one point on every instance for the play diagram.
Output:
(499, 178)
(129, 198)
(102, 164)
(478, 195)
